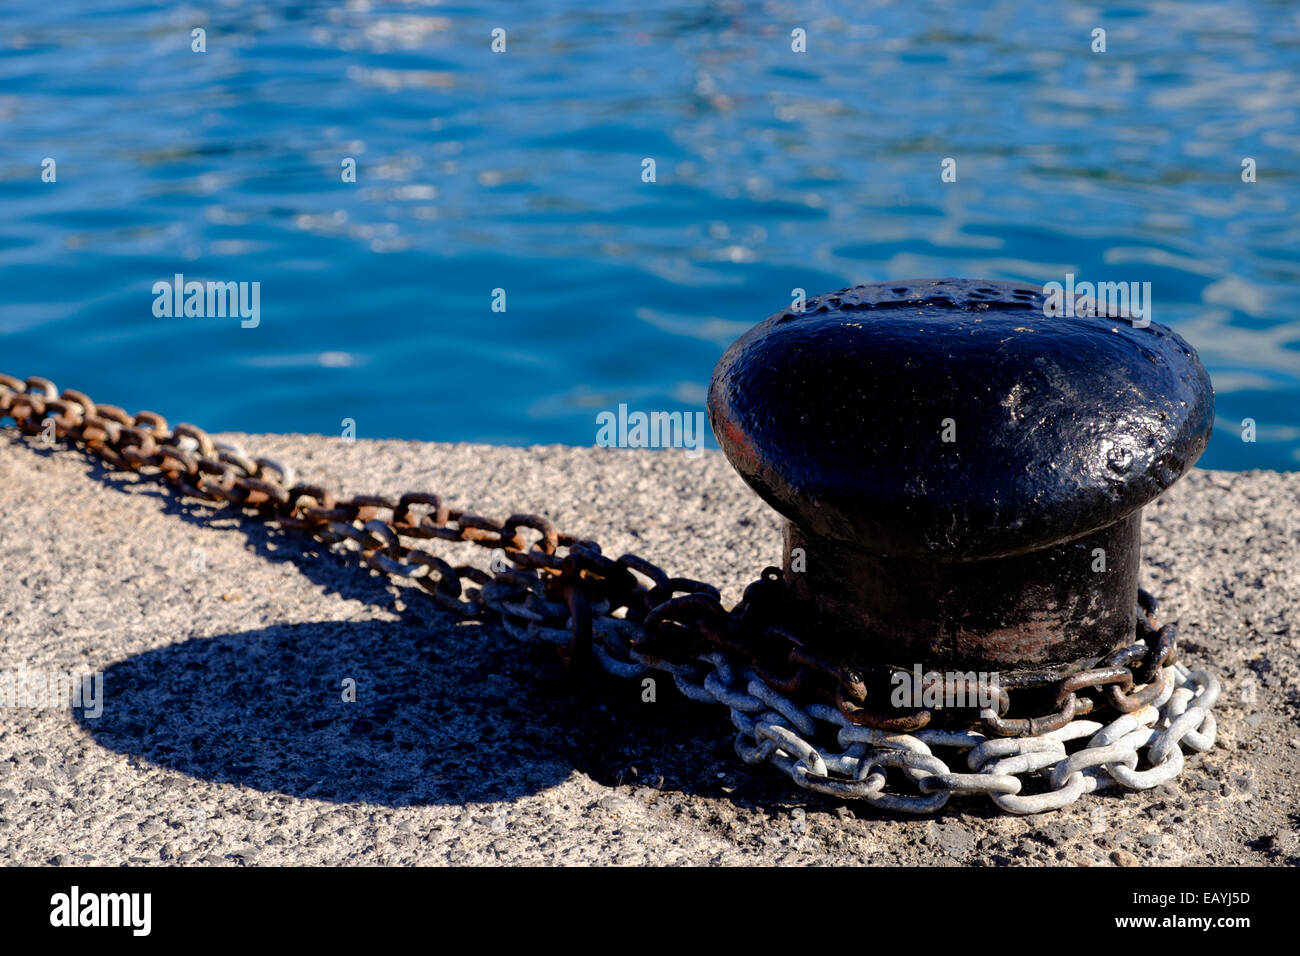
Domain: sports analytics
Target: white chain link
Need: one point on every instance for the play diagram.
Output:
(773, 729)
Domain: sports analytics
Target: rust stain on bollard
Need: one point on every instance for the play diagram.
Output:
(955, 466)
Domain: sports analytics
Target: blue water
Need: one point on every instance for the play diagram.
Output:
(523, 171)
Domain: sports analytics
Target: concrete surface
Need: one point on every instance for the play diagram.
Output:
(224, 739)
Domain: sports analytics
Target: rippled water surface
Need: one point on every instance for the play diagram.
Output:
(523, 171)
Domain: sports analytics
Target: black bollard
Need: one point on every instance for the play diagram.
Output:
(963, 475)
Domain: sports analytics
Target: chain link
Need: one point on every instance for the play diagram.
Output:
(628, 617)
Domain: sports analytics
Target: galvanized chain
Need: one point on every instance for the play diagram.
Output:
(994, 765)
(631, 618)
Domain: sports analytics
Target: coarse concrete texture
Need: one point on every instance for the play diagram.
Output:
(225, 738)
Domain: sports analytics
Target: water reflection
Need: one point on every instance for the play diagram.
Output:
(522, 170)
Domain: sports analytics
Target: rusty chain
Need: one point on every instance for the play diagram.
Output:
(630, 618)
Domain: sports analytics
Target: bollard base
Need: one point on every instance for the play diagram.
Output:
(1055, 609)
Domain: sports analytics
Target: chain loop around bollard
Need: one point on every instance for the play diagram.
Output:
(584, 601)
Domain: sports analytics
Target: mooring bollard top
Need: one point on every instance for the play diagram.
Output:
(952, 419)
